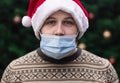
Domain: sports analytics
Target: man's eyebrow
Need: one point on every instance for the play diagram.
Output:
(69, 18)
(50, 18)
(64, 18)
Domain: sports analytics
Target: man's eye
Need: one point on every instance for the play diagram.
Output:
(68, 23)
(50, 22)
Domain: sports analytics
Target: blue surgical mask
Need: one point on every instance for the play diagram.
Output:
(57, 47)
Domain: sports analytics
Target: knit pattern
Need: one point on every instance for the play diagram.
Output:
(86, 68)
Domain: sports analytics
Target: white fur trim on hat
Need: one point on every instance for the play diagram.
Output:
(26, 21)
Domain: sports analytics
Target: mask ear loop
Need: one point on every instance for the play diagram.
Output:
(77, 37)
(40, 35)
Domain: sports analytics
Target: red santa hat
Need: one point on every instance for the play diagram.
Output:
(40, 10)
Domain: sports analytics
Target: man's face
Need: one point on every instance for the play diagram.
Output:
(59, 23)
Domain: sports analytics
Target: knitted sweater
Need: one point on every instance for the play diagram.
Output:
(85, 68)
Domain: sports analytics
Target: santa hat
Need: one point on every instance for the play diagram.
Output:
(40, 10)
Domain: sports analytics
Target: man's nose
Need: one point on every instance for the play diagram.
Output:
(59, 30)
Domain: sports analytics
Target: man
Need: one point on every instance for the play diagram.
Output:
(58, 24)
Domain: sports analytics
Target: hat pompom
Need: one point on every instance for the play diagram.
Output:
(26, 21)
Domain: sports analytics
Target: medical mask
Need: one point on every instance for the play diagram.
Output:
(57, 47)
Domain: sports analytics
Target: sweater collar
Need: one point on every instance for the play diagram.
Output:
(63, 60)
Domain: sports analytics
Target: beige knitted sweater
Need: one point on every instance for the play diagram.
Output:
(86, 68)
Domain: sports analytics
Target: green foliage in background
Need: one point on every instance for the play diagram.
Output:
(15, 40)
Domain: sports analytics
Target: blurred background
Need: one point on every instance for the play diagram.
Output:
(102, 37)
